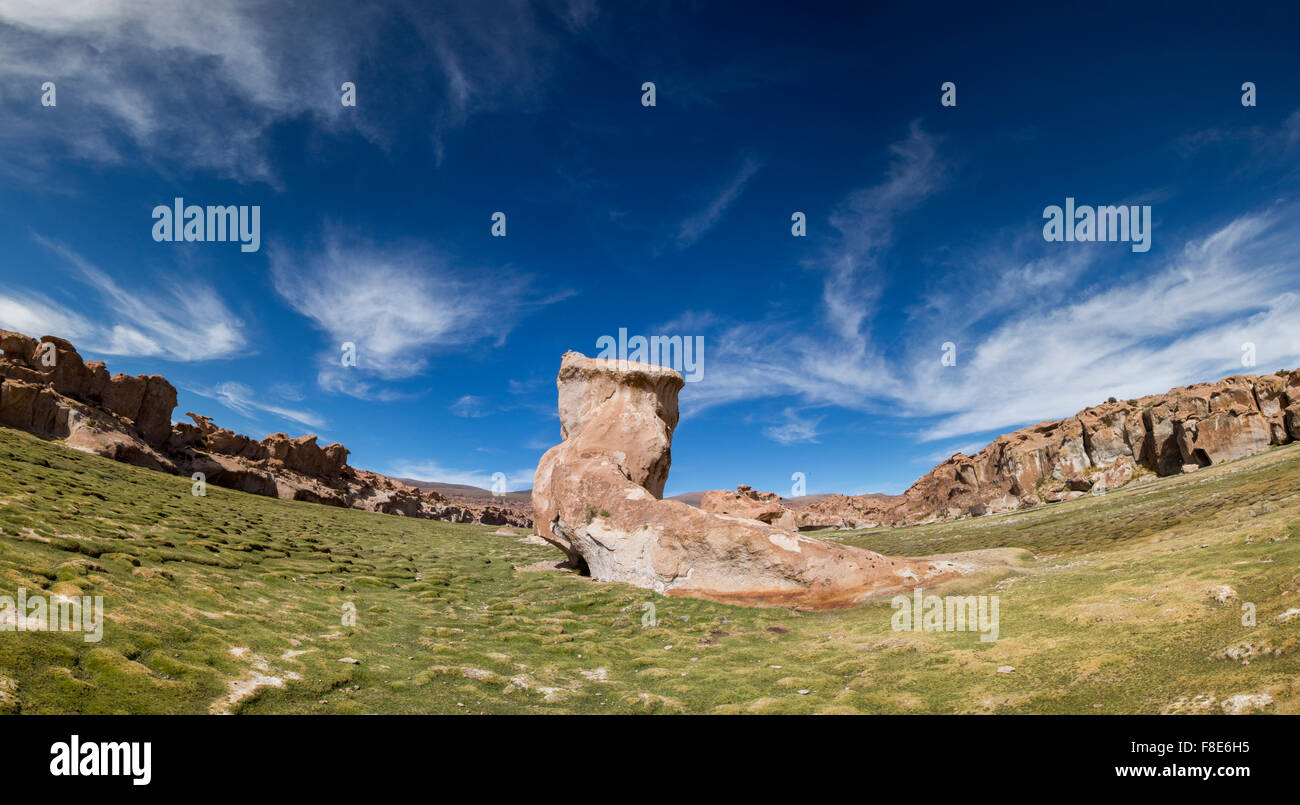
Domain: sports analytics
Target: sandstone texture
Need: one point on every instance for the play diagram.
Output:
(49, 390)
(766, 507)
(1097, 450)
(598, 496)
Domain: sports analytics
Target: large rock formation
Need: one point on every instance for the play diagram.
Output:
(598, 497)
(1097, 450)
(47, 389)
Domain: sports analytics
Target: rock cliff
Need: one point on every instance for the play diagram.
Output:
(49, 390)
(1096, 450)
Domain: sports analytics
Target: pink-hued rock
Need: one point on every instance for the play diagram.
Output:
(1119, 473)
(1222, 436)
(1099, 449)
(767, 507)
(1271, 400)
(48, 390)
(305, 456)
(598, 497)
(17, 348)
(146, 401)
(1292, 419)
(748, 503)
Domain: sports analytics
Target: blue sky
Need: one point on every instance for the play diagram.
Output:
(822, 353)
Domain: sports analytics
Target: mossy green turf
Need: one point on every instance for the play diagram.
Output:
(205, 597)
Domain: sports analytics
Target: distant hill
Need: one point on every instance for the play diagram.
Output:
(693, 499)
(466, 491)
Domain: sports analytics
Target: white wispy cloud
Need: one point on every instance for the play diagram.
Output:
(794, 428)
(543, 441)
(836, 360)
(197, 85)
(178, 318)
(397, 305)
(470, 407)
(1186, 321)
(488, 56)
(1040, 332)
(435, 472)
(697, 224)
(526, 386)
(690, 322)
(865, 224)
(176, 83)
(243, 400)
(579, 14)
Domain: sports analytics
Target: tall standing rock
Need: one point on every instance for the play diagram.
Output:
(598, 496)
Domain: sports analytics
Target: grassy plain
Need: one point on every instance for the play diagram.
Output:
(236, 603)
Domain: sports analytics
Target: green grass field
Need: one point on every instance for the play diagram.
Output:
(235, 603)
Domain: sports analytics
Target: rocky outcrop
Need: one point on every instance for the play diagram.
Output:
(1097, 450)
(47, 389)
(301, 455)
(766, 507)
(305, 456)
(144, 401)
(598, 496)
(1292, 420)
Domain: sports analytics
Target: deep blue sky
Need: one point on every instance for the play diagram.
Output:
(822, 354)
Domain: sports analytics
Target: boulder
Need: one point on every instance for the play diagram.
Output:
(233, 473)
(17, 348)
(1222, 436)
(1119, 473)
(746, 502)
(146, 400)
(69, 374)
(1111, 431)
(1292, 420)
(1271, 400)
(770, 508)
(220, 440)
(598, 497)
(124, 394)
(17, 401)
(305, 456)
(154, 419)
